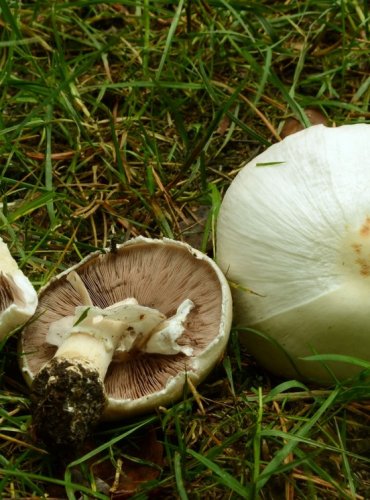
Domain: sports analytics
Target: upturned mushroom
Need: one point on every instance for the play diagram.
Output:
(18, 299)
(294, 238)
(120, 333)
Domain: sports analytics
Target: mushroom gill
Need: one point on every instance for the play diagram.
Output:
(6, 292)
(157, 276)
(142, 375)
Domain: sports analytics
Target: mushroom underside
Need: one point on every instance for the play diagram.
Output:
(157, 276)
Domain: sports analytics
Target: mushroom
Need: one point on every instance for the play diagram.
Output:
(120, 333)
(293, 237)
(18, 299)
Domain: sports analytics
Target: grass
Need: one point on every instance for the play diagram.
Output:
(122, 118)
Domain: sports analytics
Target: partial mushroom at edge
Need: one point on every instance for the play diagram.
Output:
(293, 235)
(18, 299)
(152, 313)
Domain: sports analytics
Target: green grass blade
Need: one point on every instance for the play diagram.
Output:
(223, 476)
(179, 479)
(291, 444)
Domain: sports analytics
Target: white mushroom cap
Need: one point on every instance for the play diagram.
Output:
(294, 229)
(159, 274)
(18, 299)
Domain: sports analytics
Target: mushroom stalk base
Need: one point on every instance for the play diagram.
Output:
(69, 399)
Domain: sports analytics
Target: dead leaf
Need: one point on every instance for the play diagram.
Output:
(64, 155)
(141, 461)
(292, 125)
(223, 125)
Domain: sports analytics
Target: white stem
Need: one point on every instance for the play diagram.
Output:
(86, 348)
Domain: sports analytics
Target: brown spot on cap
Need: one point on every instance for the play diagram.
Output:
(364, 267)
(357, 247)
(365, 228)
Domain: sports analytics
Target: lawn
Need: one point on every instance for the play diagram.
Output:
(126, 118)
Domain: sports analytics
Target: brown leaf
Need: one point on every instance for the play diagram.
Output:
(223, 125)
(292, 125)
(141, 461)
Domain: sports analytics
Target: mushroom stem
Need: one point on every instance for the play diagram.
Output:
(70, 388)
(87, 348)
(69, 399)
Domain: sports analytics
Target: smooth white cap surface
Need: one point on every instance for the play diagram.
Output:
(294, 228)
